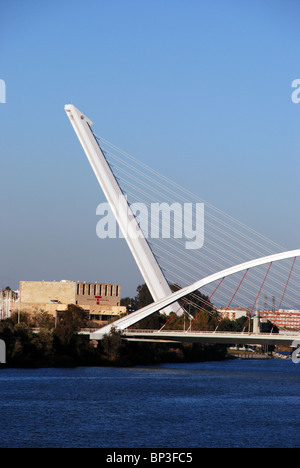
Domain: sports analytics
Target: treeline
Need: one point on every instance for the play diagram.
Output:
(42, 341)
(199, 313)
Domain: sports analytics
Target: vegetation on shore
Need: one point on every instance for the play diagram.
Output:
(62, 346)
(43, 341)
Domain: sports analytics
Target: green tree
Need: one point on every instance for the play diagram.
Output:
(143, 297)
(70, 322)
(44, 320)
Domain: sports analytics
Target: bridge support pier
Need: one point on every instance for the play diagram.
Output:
(256, 323)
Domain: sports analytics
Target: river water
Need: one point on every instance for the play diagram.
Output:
(239, 403)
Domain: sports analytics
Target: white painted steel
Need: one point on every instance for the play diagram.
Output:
(211, 337)
(140, 249)
(131, 319)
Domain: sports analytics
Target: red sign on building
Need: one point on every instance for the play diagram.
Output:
(98, 299)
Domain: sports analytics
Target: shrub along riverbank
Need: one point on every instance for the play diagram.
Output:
(59, 345)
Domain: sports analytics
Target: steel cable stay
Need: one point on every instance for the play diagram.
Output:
(242, 296)
(210, 280)
(271, 289)
(187, 301)
(221, 230)
(177, 186)
(201, 254)
(217, 237)
(214, 235)
(143, 200)
(183, 189)
(193, 295)
(195, 277)
(191, 258)
(175, 314)
(208, 300)
(284, 292)
(219, 265)
(240, 239)
(227, 243)
(138, 181)
(223, 314)
(274, 289)
(257, 297)
(213, 243)
(226, 296)
(218, 246)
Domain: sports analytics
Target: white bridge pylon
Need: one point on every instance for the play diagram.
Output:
(137, 243)
(135, 317)
(164, 299)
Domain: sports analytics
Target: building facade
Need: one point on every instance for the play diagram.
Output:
(284, 319)
(101, 301)
(233, 314)
(9, 302)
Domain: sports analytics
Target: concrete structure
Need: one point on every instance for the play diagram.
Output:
(164, 300)
(47, 292)
(228, 338)
(283, 319)
(135, 317)
(233, 314)
(9, 302)
(101, 301)
(137, 243)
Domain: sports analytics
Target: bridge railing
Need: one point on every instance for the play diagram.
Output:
(295, 335)
(167, 332)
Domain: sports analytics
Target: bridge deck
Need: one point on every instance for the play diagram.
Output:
(211, 337)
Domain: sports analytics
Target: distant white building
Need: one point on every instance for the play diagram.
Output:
(9, 300)
(233, 314)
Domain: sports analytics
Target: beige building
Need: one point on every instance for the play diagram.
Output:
(233, 314)
(101, 301)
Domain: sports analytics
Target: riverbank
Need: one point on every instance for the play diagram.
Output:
(54, 348)
(232, 354)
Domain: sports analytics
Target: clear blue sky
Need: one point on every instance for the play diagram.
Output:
(198, 89)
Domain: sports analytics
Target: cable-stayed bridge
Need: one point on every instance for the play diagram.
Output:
(229, 338)
(134, 191)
